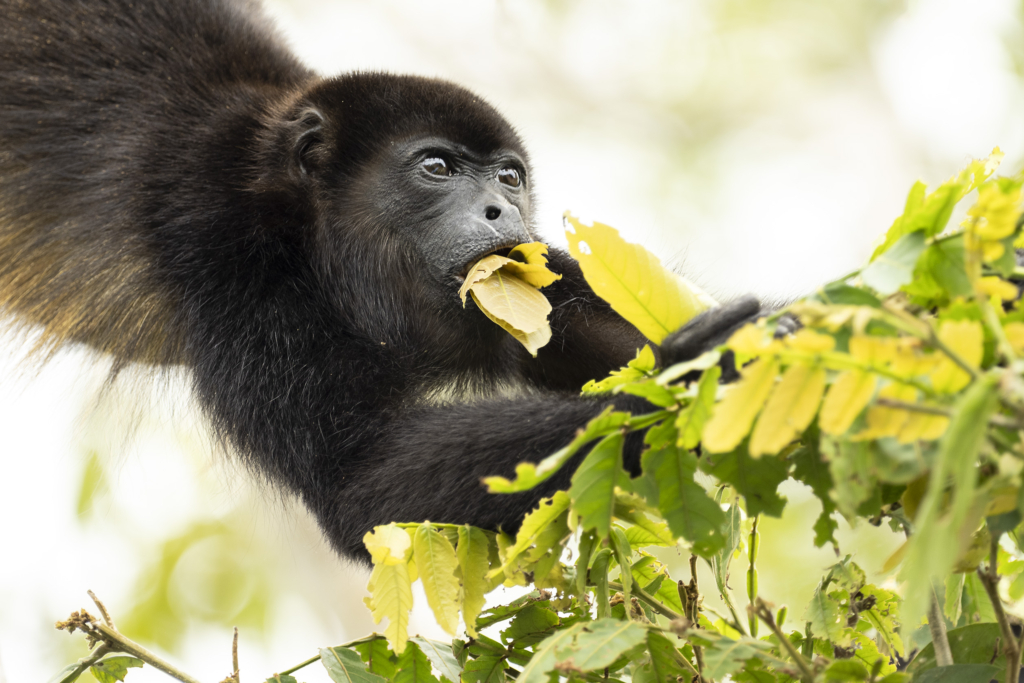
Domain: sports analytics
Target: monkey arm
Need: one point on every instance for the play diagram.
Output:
(428, 462)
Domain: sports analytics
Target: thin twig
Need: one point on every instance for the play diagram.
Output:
(314, 658)
(990, 580)
(690, 596)
(761, 611)
(87, 661)
(995, 420)
(118, 642)
(652, 602)
(107, 619)
(937, 627)
(234, 656)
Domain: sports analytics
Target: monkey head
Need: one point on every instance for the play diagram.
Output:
(406, 181)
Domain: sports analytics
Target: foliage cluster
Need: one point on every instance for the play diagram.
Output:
(899, 401)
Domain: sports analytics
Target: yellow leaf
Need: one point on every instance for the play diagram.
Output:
(964, 338)
(751, 341)
(998, 287)
(733, 417)
(873, 350)
(810, 341)
(505, 289)
(790, 408)
(472, 552)
(883, 421)
(910, 360)
(516, 307)
(1015, 334)
(529, 262)
(923, 427)
(849, 394)
(391, 596)
(436, 565)
(630, 278)
(389, 544)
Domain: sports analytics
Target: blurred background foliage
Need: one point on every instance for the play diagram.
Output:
(758, 145)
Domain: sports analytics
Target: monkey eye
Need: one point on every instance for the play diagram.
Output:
(509, 176)
(437, 166)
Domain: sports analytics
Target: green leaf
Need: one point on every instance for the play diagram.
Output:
(602, 642)
(647, 571)
(500, 613)
(413, 666)
(883, 616)
(546, 655)
(530, 626)
(756, 480)
(588, 540)
(391, 596)
(733, 535)
(960, 673)
(813, 470)
(67, 674)
(723, 655)
(282, 678)
(112, 669)
(943, 263)
(489, 668)
(599, 578)
(378, 657)
(436, 565)
(472, 553)
(665, 658)
(637, 369)
(593, 484)
(345, 666)
(684, 504)
(529, 475)
(441, 658)
(895, 267)
(654, 393)
(971, 644)
(954, 595)
(547, 512)
(824, 614)
(976, 605)
(654, 299)
(844, 670)
(691, 420)
(935, 545)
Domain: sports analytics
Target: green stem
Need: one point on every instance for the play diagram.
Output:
(752, 546)
(314, 658)
(764, 614)
(119, 643)
(645, 597)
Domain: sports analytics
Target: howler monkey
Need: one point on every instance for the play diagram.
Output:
(176, 188)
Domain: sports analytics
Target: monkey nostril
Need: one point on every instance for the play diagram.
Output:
(492, 213)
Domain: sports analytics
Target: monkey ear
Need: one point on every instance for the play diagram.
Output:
(308, 141)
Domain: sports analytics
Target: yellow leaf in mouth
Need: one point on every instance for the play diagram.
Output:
(506, 290)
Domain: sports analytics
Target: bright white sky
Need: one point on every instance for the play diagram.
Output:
(806, 170)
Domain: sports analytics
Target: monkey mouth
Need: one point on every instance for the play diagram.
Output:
(499, 251)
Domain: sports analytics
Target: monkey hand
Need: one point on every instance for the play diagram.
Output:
(713, 328)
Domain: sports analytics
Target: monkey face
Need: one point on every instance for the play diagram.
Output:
(452, 205)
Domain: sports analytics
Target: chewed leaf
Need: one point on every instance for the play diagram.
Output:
(529, 262)
(630, 278)
(506, 290)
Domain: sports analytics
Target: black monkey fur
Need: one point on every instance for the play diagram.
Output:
(177, 189)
